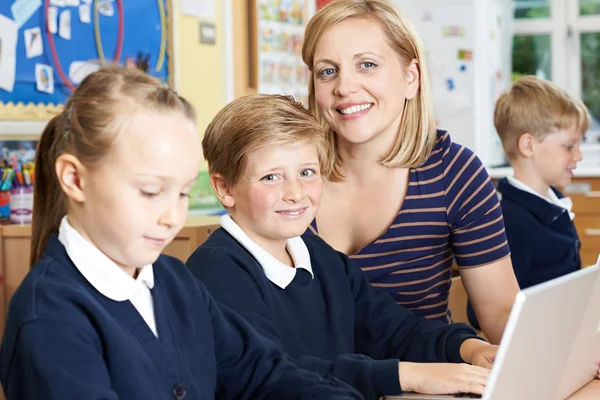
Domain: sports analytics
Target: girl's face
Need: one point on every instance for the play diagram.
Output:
(360, 83)
(136, 199)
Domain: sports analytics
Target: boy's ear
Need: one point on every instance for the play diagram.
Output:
(525, 144)
(72, 176)
(223, 190)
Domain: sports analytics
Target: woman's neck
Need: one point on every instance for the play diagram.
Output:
(361, 164)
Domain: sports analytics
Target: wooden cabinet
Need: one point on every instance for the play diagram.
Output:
(585, 193)
(15, 245)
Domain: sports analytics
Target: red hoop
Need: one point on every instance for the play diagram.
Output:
(57, 65)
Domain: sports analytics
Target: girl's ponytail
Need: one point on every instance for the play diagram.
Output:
(48, 200)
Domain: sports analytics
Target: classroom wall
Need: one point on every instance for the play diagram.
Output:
(199, 76)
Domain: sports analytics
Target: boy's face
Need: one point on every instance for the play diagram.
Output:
(556, 156)
(136, 199)
(278, 194)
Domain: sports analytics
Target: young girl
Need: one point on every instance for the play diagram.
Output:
(102, 315)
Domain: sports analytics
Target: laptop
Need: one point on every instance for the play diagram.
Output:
(551, 344)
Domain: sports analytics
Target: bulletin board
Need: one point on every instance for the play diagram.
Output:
(82, 33)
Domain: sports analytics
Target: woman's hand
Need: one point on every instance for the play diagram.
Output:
(442, 378)
(477, 352)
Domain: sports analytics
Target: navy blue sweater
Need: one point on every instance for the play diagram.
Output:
(335, 323)
(65, 340)
(542, 238)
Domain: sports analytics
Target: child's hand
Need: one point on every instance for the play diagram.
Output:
(442, 378)
(598, 372)
(479, 353)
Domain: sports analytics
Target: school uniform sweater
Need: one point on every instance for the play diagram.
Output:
(333, 323)
(64, 340)
(542, 237)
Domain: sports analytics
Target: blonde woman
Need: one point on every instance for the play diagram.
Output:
(403, 200)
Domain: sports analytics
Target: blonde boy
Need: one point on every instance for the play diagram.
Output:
(541, 127)
(266, 155)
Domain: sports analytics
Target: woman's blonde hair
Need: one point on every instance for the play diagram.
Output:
(417, 133)
(92, 118)
(254, 121)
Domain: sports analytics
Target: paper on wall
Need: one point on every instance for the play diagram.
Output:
(106, 8)
(78, 70)
(22, 10)
(85, 14)
(44, 78)
(34, 44)
(8, 52)
(52, 20)
(72, 3)
(58, 3)
(64, 25)
(205, 9)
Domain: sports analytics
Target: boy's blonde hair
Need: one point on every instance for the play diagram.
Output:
(533, 105)
(417, 133)
(254, 121)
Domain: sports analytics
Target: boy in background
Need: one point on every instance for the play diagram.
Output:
(541, 127)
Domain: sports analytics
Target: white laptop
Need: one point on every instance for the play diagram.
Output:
(551, 344)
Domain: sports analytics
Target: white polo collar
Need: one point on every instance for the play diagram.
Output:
(551, 197)
(276, 271)
(99, 270)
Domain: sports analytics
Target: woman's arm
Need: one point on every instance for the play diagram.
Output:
(491, 289)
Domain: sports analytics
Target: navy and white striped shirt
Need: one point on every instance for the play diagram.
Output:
(450, 211)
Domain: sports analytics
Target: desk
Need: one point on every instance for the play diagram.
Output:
(591, 391)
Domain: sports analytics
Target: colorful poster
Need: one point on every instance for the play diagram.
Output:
(280, 35)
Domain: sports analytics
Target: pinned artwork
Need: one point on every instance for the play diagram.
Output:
(64, 25)
(106, 8)
(8, 50)
(22, 10)
(78, 70)
(453, 31)
(44, 78)
(53, 20)
(85, 15)
(58, 3)
(34, 43)
(465, 54)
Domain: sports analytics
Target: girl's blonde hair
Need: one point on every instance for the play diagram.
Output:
(87, 127)
(417, 133)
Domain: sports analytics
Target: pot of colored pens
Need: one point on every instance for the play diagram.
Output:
(16, 189)
(6, 181)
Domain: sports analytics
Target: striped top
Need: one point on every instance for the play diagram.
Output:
(450, 211)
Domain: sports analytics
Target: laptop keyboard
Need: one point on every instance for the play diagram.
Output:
(468, 395)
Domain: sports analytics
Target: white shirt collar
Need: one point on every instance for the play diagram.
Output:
(99, 270)
(551, 197)
(276, 271)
